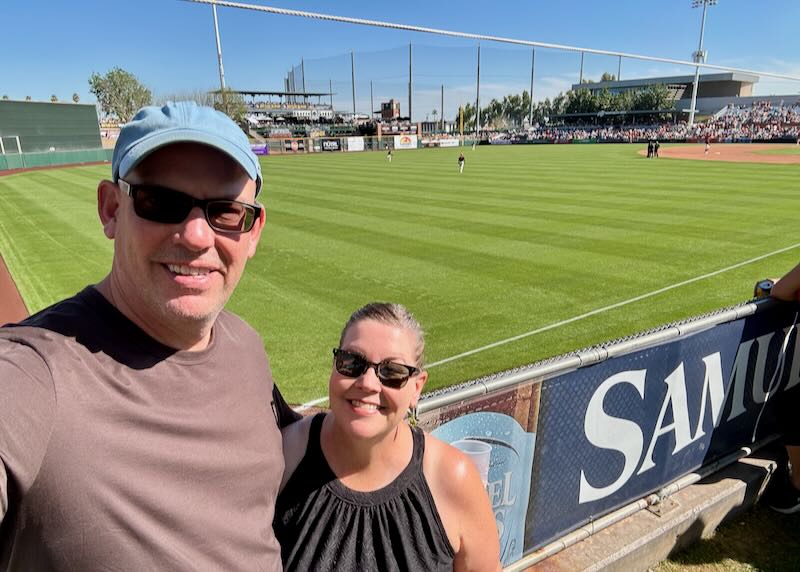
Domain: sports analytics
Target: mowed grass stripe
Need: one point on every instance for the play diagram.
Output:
(526, 237)
(51, 233)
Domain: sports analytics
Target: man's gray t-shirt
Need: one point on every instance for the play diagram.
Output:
(123, 454)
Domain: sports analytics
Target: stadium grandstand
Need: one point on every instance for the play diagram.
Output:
(714, 91)
(760, 121)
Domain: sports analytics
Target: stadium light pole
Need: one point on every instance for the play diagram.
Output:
(219, 50)
(699, 56)
(371, 103)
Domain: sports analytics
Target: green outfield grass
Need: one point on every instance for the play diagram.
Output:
(527, 237)
(784, 151)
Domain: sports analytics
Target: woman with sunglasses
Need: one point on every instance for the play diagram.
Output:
(362, 489)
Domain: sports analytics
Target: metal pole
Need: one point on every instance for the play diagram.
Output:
(219, 50)
(698, 58)
(371, 103)
(533, 63)
(580, 80)
(410, 85)
(330, 91)
(303, 73)
(353, 80)
(619, 69)
(478, 98)
(441, 115)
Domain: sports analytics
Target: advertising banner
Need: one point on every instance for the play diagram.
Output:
(572, 447)
(355, 143)
(331, 145)
(405, 141)
(448, 142)
(503, 453)
(294, 145)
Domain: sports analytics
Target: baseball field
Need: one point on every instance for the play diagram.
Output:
(532, 252)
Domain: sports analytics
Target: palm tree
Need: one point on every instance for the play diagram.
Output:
(27, 98)
(75, 98)
(53, 98)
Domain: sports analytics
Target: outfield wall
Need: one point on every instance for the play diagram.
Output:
(572, 439)
(14, 161)
(41, 126)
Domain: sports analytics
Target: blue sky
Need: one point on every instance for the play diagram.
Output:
(52, 47)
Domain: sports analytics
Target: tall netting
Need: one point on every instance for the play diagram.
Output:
(445, 77)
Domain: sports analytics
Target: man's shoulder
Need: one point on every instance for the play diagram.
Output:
(237, 328)
(65, 319)
(235, 322)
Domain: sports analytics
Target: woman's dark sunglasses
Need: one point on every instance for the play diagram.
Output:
(161, 204)
(390, 373)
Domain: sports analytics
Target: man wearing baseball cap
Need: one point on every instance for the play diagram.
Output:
(139, 423)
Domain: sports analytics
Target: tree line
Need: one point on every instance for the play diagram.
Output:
(120, 95)
(513, 110)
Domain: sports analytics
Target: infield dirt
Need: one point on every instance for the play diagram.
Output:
(732, 152)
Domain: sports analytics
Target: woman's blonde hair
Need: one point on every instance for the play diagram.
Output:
(393, 315)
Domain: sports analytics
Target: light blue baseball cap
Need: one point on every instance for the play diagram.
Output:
(183, 122)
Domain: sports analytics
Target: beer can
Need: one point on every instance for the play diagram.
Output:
(763, 288)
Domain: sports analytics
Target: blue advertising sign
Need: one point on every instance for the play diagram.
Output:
(615, 431)
(503, 453)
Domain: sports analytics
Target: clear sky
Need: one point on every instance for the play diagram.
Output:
(52, 46)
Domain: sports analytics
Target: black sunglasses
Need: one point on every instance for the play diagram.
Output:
(168, 206)
(390, 373)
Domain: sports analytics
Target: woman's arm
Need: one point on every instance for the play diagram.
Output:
(787, 287)
(464, 507)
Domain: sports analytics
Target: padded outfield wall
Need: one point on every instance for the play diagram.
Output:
(568, 441)
(48, 134)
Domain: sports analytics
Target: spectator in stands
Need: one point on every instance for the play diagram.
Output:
(785, 495)
(139, 423)
(364, 489)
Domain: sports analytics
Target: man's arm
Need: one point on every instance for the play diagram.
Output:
(27, 410)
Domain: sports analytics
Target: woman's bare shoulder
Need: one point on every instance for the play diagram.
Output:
(448, 468)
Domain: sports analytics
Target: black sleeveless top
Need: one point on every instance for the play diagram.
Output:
(323, 525)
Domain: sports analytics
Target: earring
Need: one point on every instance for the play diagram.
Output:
(413, 418)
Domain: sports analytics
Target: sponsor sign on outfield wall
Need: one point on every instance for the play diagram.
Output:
(355, 143)
(610, 433)
(405, 141)
(331, 145)
(503, 453)
(294, 145)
